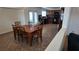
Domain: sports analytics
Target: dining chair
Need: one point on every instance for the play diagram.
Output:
(14, 31)
(38, 33)
(23, 33)
(15, 26)
(19, 32)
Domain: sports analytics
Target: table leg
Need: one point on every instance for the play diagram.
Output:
(30, 39)
(41, 38)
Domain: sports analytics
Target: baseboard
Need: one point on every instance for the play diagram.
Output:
(5, 32)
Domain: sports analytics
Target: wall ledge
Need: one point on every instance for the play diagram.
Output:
(58, 42)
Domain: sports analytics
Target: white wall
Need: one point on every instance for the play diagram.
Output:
(7, 18)
(21, 17)
(73, 25)
(66, 17)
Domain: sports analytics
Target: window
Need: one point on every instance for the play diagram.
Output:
(43, 13)
(33, 17)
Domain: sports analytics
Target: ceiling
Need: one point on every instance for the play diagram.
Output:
(47, 8)
(52, 8)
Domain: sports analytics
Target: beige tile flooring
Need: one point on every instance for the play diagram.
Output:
(8, 43)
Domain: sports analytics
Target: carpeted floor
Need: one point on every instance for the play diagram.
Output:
(7, 42)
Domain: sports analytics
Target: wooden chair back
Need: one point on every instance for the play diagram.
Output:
(17, 30)
(17, 23)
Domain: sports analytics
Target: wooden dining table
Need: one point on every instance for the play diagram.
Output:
(31, 30)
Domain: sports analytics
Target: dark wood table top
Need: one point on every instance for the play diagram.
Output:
(30, 29)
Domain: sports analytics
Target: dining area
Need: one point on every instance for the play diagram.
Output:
(28, 37)
(23, 29)
(27, 32)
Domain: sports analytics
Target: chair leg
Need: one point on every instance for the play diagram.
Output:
(15, 36)
(41, 38)
(18, 38)
(22, 38)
